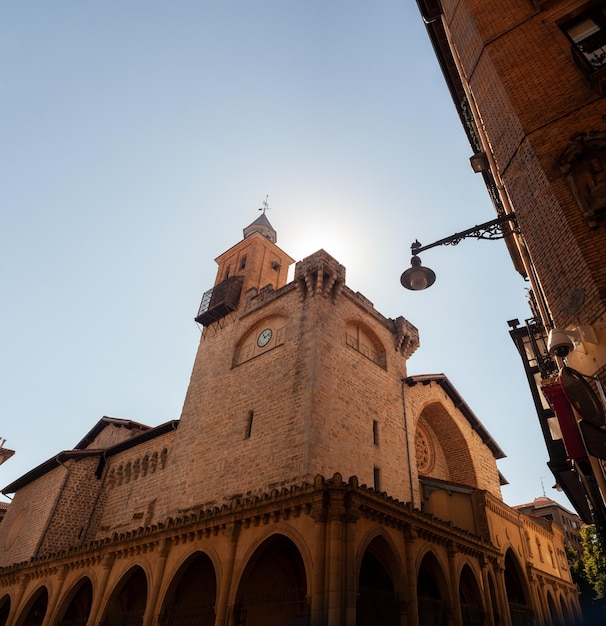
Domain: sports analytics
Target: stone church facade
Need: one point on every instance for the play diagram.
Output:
(309, 481)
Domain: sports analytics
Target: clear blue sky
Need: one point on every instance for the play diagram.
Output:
(140, 137)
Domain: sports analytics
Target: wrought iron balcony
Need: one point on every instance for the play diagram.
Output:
(220, 300)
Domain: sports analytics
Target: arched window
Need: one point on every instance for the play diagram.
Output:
(364, 340)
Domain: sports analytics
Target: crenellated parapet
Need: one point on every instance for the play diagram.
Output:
(407, 337)
(319, 274)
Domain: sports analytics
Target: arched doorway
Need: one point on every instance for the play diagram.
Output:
(192, 594)
(568, 616)
(5, 609)
(126, 605)
(470, 599)
(553, 611)
(78, 605)
(431, 593)
(34, 613)
(377, 603)
(273, 587)
(517, 597)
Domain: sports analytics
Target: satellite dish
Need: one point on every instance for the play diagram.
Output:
(581, 396)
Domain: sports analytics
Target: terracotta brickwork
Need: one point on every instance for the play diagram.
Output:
(132, 488)
(532, 100)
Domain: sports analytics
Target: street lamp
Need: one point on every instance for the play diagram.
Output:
(418, 277)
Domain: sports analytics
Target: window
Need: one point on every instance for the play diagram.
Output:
(249, 423)
(375, 432)
(243, 262)
(587, 33)
(365, 342)
(377, 478)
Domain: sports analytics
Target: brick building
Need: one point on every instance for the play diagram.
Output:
(528, 78)
(310, 480)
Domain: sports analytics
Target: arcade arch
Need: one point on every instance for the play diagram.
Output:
(273, 588)
(192, 594)
(5, 608)
(470, 598)
(126, 605)
(77, 604)
(35, 610)
(378, 598)
(432, 592)
(516, 588)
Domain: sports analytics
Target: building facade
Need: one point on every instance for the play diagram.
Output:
(309, 481)
(548, 509)
(528, 78)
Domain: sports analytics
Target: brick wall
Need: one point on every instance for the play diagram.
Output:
(26, 520)
(532, 98)
(134, 488)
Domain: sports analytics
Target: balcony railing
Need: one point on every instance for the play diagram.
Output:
(591, 51)
(590, 55)
(220, 300)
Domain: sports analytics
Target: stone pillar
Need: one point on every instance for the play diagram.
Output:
(411, 578)
(334, 552)
(232, 532)
(99, 593)
(351, 571)
(16, 610)
(457, 618)
(317, 593)
(152, 612)
(490, 617)
(501, 590)
(50, 617)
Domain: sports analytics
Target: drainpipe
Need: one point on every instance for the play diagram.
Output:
(407, 442)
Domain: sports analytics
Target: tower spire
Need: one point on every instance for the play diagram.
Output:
(262, 225)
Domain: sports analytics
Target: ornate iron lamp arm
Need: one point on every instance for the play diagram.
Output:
(488, 230)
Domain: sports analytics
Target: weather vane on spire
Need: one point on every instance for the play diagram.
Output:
(265, 206)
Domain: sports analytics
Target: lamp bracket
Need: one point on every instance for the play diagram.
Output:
(488, 230)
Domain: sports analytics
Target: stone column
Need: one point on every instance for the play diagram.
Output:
(152, 612)
(410, 536)
(232, 533)
(50, 616)
(317, 593)
(490, 618)
(502, 595)
(334, 552)
(16, 610)
(457, 618)
(99, 593)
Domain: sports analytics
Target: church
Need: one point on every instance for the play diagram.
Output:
(310, 481)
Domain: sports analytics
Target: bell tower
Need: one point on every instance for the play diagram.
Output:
(253, 263)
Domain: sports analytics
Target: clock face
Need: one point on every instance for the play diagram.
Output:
(264, 337)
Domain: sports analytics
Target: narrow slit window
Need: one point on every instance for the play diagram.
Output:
(375, 432)
(249, 424)
(377, 478)
(243, 262)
